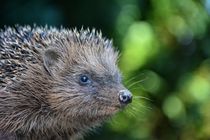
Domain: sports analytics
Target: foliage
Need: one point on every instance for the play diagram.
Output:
(165, 50)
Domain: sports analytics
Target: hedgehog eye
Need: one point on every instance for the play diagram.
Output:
(84, 80)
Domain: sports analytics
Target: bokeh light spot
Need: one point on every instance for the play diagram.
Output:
(173, 107)
(139, 46)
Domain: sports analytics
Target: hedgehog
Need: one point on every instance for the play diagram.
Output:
(57, 83)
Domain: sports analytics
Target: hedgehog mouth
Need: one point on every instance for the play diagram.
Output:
(107, 102)
(108, 112)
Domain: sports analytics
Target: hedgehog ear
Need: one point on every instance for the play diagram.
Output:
(51, 58)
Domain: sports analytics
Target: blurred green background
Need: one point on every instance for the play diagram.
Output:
(165, 59)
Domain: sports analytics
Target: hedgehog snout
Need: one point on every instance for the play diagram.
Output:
(125, 97)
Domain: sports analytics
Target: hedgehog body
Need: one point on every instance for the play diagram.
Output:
(56, 83)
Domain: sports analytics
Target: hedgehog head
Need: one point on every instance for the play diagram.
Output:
(87, 84)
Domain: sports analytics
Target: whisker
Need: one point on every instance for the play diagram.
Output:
(137, 82)
(134, 77)
(142, 97)
(135, 88)
(133, 111)
(145, 107)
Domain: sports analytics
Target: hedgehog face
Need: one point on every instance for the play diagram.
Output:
(90, 85)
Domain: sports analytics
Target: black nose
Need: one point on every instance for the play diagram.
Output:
(125, 97)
